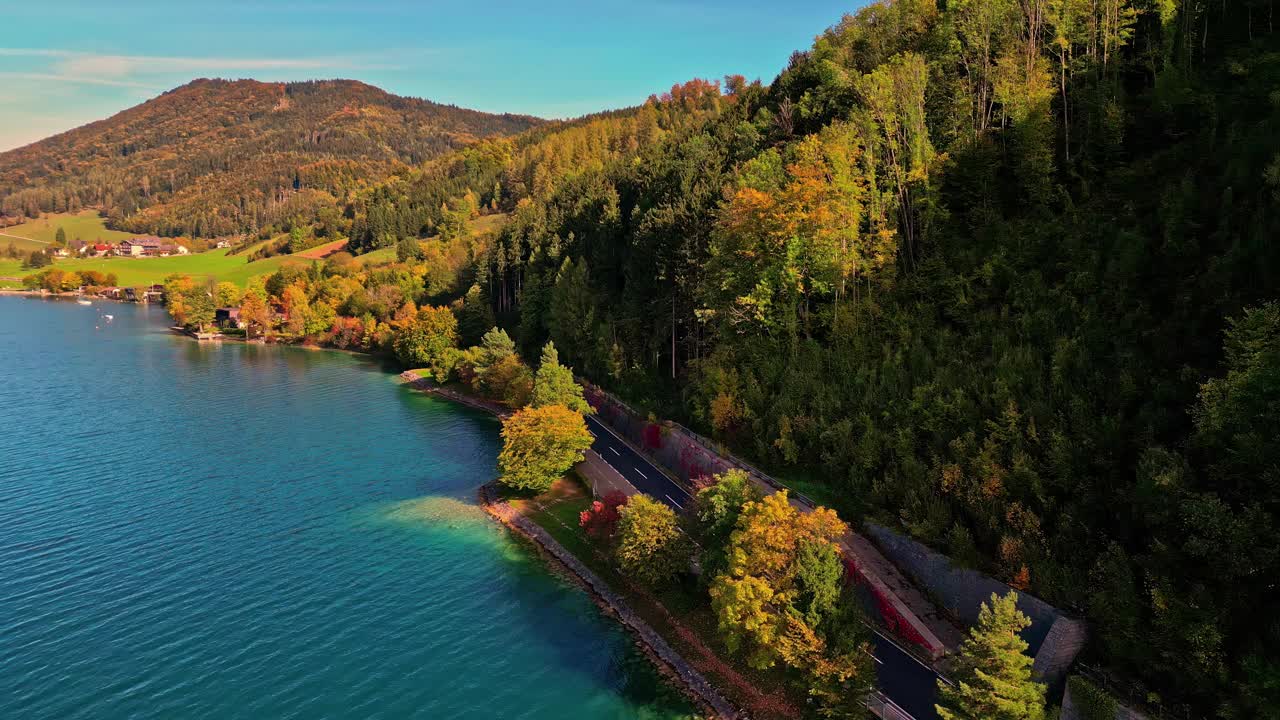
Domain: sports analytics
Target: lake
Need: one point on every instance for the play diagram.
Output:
(215, 531)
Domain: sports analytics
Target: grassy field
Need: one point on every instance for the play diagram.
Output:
(38, 234)
(134, 272)
(480, 226)
(10, 268)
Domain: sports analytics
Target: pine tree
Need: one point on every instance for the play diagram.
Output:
(993, 674)
(554, 383)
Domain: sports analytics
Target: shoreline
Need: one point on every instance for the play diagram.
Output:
(668, 662)
(665, 659)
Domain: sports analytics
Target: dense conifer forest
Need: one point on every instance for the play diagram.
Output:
(1000, 273)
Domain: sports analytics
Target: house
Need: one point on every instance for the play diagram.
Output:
(113, 292)
(101, 249)
(149, 246)
(222, 244)
(225, 317)
(61, 252)
(130, 248)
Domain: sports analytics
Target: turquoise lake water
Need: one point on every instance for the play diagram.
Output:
(230, 531)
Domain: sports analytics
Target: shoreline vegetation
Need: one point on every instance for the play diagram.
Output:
(629, 605)
(806, 651)
(669, 663)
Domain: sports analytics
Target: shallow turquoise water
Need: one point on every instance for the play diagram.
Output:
(204, 531)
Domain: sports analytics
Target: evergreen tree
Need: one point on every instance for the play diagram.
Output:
(554, 384)
(60, 237)
(571, 315)
(993, 673)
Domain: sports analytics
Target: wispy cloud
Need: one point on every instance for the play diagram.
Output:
(129, 70)
(78, 79)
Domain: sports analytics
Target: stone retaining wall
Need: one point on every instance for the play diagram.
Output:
(689, 679)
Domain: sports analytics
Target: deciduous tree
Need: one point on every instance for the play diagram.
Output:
(777, 568)
(651, 547)
(539, 445)
(430, 341)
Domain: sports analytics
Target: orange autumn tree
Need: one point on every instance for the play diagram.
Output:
(781, 601)
(799, 229)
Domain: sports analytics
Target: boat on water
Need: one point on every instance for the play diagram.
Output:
(109, 318)
(84, 301)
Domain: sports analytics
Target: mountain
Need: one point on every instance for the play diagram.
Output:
(216, 157)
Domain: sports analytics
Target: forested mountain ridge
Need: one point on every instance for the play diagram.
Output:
(504, 173)
(1000, 273)
(215, 157)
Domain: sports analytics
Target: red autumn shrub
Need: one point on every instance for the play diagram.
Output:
(601, 519)
(347, 333)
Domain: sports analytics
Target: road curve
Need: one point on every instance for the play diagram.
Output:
(908, 682)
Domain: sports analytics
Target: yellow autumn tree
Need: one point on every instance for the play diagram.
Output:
(539, 445)
(779, 562)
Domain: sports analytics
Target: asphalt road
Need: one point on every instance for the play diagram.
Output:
(905, 680)
(635, 468)
(902, 678)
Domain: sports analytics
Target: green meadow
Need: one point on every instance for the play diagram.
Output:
(133, 272)
(39, 234)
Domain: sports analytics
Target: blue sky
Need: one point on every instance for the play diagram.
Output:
(63, 64)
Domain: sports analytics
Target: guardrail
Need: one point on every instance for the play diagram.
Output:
(717, 449)
(882, 707)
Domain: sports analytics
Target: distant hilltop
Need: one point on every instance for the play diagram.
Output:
(218, 157)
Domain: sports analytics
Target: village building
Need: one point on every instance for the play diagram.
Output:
(149, 247)
(225, 317)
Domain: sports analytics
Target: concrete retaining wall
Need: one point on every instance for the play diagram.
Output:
(1054, 639)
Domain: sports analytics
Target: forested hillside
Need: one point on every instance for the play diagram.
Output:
(503, 173)
(216, 157)
(1000, 273)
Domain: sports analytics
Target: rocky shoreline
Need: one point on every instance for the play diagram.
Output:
(666, 659)
(669, 662)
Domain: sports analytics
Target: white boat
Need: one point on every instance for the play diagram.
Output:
(83, 301)
(109, 318)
